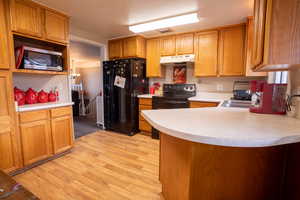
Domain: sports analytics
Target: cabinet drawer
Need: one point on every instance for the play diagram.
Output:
(144, 107)
(63, 111)
(145, 126)
(34, 116)
(202, 104)
(145, 101)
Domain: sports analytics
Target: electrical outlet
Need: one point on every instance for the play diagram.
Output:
(220, 87)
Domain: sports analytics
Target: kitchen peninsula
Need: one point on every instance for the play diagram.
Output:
(226, 153)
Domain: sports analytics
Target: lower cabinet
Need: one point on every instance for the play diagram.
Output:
(45, 133)
(62, 129)
(144, 104)
(203, 104)
(36, 141)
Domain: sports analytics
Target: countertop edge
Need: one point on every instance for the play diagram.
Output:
(43, 106)
(223, 141)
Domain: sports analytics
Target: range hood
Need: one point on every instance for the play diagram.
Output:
(177, 59)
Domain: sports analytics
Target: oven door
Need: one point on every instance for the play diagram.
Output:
(167, 103)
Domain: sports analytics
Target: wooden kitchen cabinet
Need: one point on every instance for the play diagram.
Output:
(249, 66)
(45, 133)
(4, 55)
(56, 26)
(115, 48)
(26, 17)
(232, 51)
(36, 141)
(153, 68)
(9, 146)
(185, 44)
(203, 104)
(168, 46)
(134, 47)
(62, 131)
(276, 39)
(144, 126)
(206, 54)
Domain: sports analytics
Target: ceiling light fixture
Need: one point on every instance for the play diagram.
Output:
(165, 23)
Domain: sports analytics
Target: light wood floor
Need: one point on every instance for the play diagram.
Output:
(103, 165)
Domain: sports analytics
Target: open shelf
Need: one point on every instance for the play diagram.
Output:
(28, 71)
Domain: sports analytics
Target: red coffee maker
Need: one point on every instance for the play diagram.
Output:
(268, 98)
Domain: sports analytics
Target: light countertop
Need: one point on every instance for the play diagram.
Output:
(41, 106)
(235, 127)
(202, 96)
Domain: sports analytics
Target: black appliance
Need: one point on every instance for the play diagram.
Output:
(241, 91)
(38, 59)
(121, 112)
(174, 96)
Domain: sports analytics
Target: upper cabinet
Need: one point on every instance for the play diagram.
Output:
(134, 47)
(153, 68)
(276, 39)
(56, 26)
(232, 51)
(127, 48)
(185, 44)
(115, 48)
(4, 55)
(168, 46)
(249, 66)
(31, 19)
(206, 53)
(26, 17)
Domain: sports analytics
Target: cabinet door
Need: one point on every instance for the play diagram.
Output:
(260, 9)
(168, 46)
(56, 26)
(9, 154)
(26, 17)
(115, 49)
(206, 53)
(232, 51)
(36, 141)
(130, 47)
(4, 55)
(62, 133)
(153, 68)
(185, 44)
(249, 66)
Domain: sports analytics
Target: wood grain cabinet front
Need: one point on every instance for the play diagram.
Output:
(185, 44)
(134, 47)
(56, 26)
(232, 51)
(26, 17)
(276, 38)
(115, 48)
(36, 141)
(62, 133)
(9, 146)
(168, 46)
(4, 55)
(153, 68)
(206, 54)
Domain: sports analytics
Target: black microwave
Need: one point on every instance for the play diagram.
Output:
(38, 59)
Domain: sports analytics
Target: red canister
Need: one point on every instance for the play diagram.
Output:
(52, 96)
(31, 96)
(19, 96)
(43, 97)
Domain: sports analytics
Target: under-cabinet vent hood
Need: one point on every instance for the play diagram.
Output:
(177, 59)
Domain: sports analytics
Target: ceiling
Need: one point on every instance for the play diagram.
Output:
(110, 18)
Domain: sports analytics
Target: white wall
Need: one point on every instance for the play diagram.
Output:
(206, 84)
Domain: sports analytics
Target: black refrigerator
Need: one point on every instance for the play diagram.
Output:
(121, 109)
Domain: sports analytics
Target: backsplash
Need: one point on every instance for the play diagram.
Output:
(45, 82)
(205, 84)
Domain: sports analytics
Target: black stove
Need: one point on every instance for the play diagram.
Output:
(174, 96)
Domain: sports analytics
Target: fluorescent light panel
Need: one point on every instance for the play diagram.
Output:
(165, 23)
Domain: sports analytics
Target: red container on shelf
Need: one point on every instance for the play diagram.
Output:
(52, 97)
(43, 97)
(19, 96)
(31, 96)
